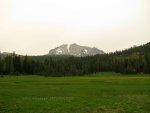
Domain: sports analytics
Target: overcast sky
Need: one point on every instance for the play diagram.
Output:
(34, 27)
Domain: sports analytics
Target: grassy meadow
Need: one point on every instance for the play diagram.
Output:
(98, 93)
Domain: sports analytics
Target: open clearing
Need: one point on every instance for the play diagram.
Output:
(99, 93)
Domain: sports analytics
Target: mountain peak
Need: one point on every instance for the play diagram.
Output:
(75, 50)
(74, 44)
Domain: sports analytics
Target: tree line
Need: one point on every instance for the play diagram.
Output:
(133, 60)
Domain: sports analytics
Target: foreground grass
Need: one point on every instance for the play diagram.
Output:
(100, 93)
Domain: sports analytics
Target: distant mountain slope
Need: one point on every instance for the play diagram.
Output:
(4, 54)
(75, 50)
(142, 49)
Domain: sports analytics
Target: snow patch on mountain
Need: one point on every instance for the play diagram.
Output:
(59, 51)
(85, 51)
(68, 48)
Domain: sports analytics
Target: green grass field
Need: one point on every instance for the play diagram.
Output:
(99, 93)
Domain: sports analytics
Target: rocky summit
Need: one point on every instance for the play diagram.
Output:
(75, 50)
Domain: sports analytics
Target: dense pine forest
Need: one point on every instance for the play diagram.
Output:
(132, 60)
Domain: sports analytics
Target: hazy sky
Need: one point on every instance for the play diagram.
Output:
(34, 27)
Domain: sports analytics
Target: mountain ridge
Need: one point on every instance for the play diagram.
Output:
(75, 50)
